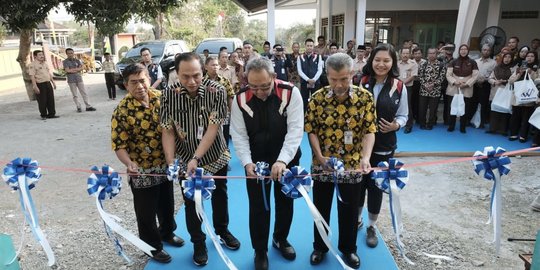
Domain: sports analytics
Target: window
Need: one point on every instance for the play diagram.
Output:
(338, 28)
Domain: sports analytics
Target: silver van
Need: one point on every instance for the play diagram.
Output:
(213, 45)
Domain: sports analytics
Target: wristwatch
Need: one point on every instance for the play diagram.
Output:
(198, 159)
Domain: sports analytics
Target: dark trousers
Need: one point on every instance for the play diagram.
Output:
(45, 99)
(428, 104)
(519, 121)
(226, 133)
(498, 122)
(111, 87)
(413, 95)
(368, 185)
(464, 119)
(259, 218)
(323, 193)
(307, 92)
(481, 96)
(446, 105)
(220, 210)
(151, 202)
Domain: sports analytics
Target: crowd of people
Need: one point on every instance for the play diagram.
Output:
(350, 102)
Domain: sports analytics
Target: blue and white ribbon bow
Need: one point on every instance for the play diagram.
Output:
(173, 170)
(297, 183)
(338, 170)
(491, 164)
(199, 187)
(392, 179)
(22, 175)
(262, 170)
(106, 184)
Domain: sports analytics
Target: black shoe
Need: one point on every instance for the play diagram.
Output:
(513, 138)
(462, 130)
(287, 251)
(429, 127)
(175, 241)
(407, 130)
(522, 140)
(79, 110)
(90, 109)
(43, 118)
(316, 257)
(450, 129)
(371, 238)
(489, 131)
(261, 260)
(229, 240)
(53, 116)
(161, 256)
(352, 260)
(423, 127)
(200, 253)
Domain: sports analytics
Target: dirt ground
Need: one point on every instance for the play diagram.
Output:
(445, 206)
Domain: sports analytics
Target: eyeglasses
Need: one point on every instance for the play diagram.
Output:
(264, 87)
(137, 82)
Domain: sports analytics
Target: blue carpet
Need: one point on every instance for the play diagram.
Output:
(301, 236)
(440, 140)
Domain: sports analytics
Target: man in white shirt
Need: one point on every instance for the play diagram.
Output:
(267, 126)
(360, 60)
(310, 67)
(482, 88)
(408, 70)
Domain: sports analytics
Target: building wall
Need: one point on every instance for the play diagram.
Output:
(525, 29)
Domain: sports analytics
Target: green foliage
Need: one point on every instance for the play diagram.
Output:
(295, 33)
(3, 34)
(25, 14)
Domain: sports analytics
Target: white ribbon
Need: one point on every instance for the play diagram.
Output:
(321, 225)
(32, 220)
(215, 238)
(395, 211)
(111, 222)
(496, 211)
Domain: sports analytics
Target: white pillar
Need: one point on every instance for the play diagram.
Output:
(360, 21)
(494, 12)
(318, 20)
(466, 15)
(349, 27)
(330, 12)
(271, 22)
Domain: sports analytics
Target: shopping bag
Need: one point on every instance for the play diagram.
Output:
(535, 118)
(457, 107)
(525, 91)
(502, 101)
(476, 119)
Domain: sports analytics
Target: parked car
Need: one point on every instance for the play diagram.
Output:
(163, 52)
(213, 45)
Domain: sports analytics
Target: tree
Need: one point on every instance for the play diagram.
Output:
(3, 34)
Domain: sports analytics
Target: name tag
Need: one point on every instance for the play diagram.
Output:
(200, 132)
(348, 136)
(282, 70)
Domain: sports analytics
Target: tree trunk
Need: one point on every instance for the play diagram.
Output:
(158, 26)
(23, 58)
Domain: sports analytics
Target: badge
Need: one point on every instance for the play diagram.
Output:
(348, 135)
(200, 132)
(282, 70)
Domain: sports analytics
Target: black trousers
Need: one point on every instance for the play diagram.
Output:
(428, 104)
(375, 194)
(446, 105)
(45, 99)
(481, 96)
(151, 202)
(259, 218)
(413, 95)
(226, 133)
(519, 121)
(307, 92)
(111, 87)
(464, 119)
(323, 194)
(220, 210)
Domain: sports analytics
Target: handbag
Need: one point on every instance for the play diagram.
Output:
(502, 101)
(525, 91)
(476, 120)
(457, 107)
(535, 118)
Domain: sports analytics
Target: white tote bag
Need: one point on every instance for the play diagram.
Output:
(502, 101)
(525, 90)
(535, 118)
(476, 120)
(457, 107)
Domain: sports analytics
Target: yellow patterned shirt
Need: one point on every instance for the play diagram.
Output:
(331, 120)
(225, 83)
(137, 129)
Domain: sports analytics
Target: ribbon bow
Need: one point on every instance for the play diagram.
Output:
(22, 167)
(22, 175)
(486, 162)
(173, 170)
(292, 178)
(392, 179)
(107, 179)
(197, 182)
(106, 184)
(391, 171)
(490, 160)
(261, 169)
(339, 169)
